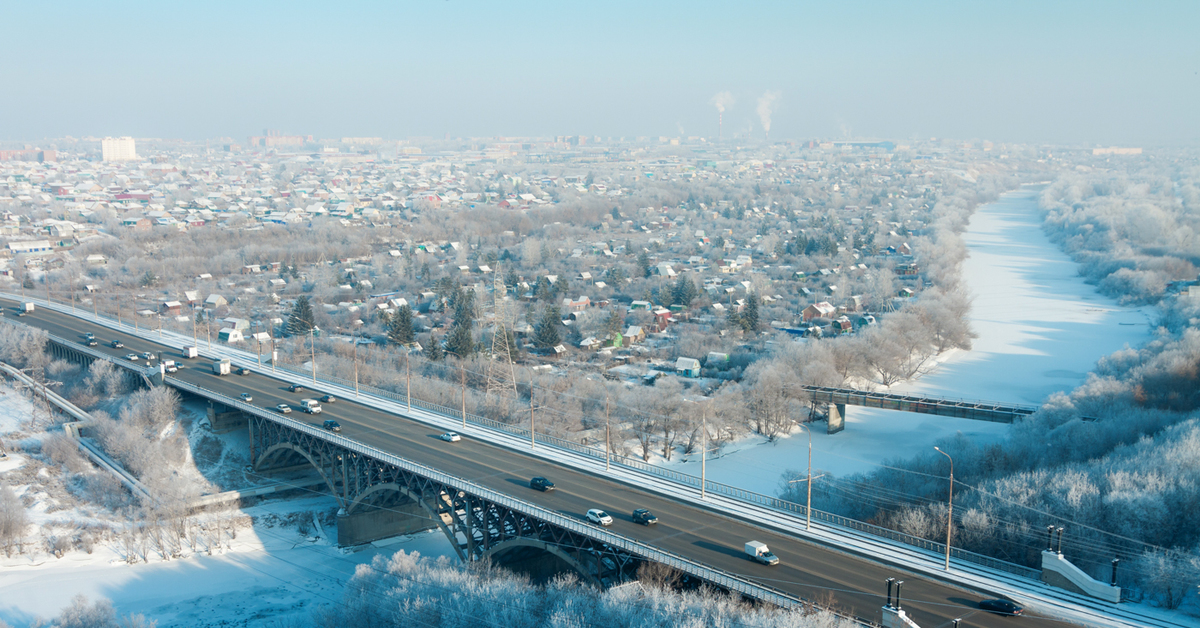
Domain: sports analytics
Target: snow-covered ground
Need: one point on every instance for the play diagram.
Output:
(267, 573)
(279, 566)
(1040, 327)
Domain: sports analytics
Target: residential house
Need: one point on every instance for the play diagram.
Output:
(818, 310)
(687, 367)
(634, 335)
(170, 308)
(229, 334)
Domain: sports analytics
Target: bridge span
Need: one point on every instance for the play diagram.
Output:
(389, 460)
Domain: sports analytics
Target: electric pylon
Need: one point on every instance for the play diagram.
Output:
(501, 376)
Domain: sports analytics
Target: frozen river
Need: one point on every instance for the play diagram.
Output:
(1040, 327)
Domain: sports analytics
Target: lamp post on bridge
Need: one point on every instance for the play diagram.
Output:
(808, 481)
(950, 507)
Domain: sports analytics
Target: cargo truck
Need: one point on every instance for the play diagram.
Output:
(190, 352)
(759, 552)
(220, 367)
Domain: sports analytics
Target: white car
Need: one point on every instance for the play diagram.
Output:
(599, 517)
(451, 437)
(147, 355)
(247, 398)
(284, 408)
(132, 357)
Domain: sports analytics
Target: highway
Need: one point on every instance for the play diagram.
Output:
(814, 572)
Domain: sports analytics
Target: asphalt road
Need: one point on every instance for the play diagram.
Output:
(813, 572)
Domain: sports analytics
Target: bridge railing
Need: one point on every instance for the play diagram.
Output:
(723, 578)
(671, 475)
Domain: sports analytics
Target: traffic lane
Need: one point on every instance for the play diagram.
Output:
(716, 549)
(813, 573)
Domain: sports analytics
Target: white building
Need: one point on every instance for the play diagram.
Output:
(118, 149)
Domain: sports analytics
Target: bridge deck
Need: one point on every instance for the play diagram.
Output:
(941, 406)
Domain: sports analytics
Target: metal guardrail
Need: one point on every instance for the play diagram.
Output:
(733, 492)
(720, 577)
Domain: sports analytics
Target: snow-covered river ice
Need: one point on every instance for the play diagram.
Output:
(1040, 330)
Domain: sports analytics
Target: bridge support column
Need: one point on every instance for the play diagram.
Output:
(371, 523)
(837, 417)
(224, 421)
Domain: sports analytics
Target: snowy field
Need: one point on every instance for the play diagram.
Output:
(1040, 327)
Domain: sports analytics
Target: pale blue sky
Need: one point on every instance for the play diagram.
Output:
(1061, 72)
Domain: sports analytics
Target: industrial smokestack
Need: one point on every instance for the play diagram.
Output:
(722, 101)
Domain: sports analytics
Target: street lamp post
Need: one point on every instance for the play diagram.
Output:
(356, 368)
(949, 508)
(312, 347)
(408, 377)
(703, 451)
(607, 437)
(808, 481)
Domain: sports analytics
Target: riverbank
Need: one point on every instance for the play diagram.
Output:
(1040, 330)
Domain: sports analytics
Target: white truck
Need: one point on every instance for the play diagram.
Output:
(170, 366)
(220, 367)
(190, 352)
(759, 552)
(26, 308)
(310, 406)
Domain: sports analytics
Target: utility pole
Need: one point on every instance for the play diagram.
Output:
(703, 451)
(950, 507)
(355, 367)
(408, 377)
(462, 372)
(532, 441)
(272, 353)
(607, 436)
(312, 345)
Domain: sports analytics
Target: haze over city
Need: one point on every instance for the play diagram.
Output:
(1059, 72)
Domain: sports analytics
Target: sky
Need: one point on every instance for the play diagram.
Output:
(1060, 72)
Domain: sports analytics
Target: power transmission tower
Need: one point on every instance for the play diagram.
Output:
(501, 377)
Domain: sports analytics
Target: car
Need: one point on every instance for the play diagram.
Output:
(132, 357)
(146, 355)
(332, 426)
(241, 370)
(284, 408)
(599, 517)
(117, 344)
(451, 437)
(90, 336)
(295, 388)
(644, 517)
(541, 484)
(20, 312)
(90, 342)
(328, 399)
(247, 397)
(1001, 607)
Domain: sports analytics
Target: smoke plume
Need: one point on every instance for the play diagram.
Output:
(766, 106)
(723, 101)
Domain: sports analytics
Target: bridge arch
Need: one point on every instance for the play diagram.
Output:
(274, 449)
(496, 552)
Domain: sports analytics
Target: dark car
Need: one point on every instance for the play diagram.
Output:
(541, 484)
(332, 426)
(241, 370)
(328, 399)
(644, 517)
(1001, 607)
(91, 342)
(295, 388)
(116, 344)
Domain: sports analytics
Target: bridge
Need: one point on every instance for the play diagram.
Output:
(389, 473)
(836, 400)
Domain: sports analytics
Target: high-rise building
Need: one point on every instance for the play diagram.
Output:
(118, 149)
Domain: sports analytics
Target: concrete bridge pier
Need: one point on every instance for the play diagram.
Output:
(371, 523)
(837, 417)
